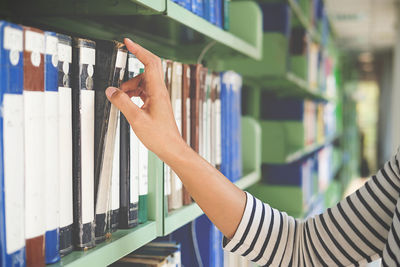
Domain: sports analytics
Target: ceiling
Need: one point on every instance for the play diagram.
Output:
(363, 25)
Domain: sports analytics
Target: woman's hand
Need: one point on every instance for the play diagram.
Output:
(154, 122)
(155, 126)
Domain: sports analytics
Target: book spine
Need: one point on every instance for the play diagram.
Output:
(110, 68)
(83, 142)
(218, 123)
(51, 148)
(115, 185)
(225, 16)
(143, 176)
(12, 224)
(167, 170)
(186, 120)
(194, 106)
(65, 142)
(130, 202)
(35, 223)
(176, 99)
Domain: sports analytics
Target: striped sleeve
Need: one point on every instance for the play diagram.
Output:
(351, 233)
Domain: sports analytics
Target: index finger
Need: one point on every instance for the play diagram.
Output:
(144, 55)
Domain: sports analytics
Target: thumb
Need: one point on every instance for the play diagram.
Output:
(123, 102)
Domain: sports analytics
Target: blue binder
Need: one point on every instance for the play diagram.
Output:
(12, 239)
(51, 93)
(218, 13)
(197, 7)
(276, 18)
(275, 108)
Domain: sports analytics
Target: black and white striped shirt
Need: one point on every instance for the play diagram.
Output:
(363, 227)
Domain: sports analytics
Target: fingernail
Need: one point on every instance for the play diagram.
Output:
(110, 91)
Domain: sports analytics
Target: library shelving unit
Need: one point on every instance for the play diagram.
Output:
(172, 32)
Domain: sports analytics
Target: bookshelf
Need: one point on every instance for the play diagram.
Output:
(244, 48)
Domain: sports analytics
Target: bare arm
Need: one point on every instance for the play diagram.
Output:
(155, 126)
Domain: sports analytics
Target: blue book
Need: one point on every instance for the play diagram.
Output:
(211, 11)
(276, 18)
(197, 7)
(51, 148)
(278, 108)
(206, 9)
(224, 125)
(12, 223)
(237, 129)
(218, 13)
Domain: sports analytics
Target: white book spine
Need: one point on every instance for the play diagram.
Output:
(65, 156)
(115, 170)
(14, 171)
(103, 194)
(34, 164)
(87, 155)
(51, 160)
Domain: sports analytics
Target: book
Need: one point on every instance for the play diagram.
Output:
(202, 112)
(207, 118)
(157, 254)
(186, 119)
(175, 199)
(115, 185)
(51, 136)
(215, 141)
(34, 123)
(195, 106)
(276, 18)
(140, 156)
(143, 174)
(225, 16)
(167, 67)
(198, 7)
(65, 145)
(110, 67)
(12, 223)
(83, 97)
(129, 174)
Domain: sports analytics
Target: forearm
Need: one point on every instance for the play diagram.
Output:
(220, 199)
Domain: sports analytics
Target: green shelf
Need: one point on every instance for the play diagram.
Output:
(120, 244)
(309, 149)
(243, 37)
(162, 26)
(287, 84)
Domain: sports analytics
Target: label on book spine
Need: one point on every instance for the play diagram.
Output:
(13, 106)
(87, 148)
(34, 163)
(64, 53)
(65, 159)
(51, 158)
(51, 49)
(120, 62)
(87, 55)
(13, 41)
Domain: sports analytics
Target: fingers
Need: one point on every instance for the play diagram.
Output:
(123, 102)
(144, 55)
(133, 84)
